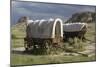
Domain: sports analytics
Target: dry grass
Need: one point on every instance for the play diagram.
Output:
(18, 33)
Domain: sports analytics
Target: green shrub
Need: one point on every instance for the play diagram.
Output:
(74, 44)
(70, 41)
(13, 36)
(78, 44)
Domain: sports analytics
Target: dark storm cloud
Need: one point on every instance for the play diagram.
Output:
(45, 10)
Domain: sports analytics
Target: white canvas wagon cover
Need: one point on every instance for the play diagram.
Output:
(72, 27)
(44, 28)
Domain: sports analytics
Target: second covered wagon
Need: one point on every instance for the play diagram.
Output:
(76, 29)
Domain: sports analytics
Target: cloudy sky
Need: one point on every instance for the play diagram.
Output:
(45, 10)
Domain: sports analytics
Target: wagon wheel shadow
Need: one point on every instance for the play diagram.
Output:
(22, 52)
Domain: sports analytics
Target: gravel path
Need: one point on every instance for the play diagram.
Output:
(18, 49)
(90, 49)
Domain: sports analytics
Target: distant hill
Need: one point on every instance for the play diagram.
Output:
(87, 17)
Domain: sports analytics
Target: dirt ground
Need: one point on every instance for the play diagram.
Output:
(90, 50)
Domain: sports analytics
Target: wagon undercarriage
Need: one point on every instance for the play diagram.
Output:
(41, 46)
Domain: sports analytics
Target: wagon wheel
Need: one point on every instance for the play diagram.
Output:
(28, 45)
(47, 46)
(25, 44)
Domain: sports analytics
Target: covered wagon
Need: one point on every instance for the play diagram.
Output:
(72, 30)
(43, 33)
